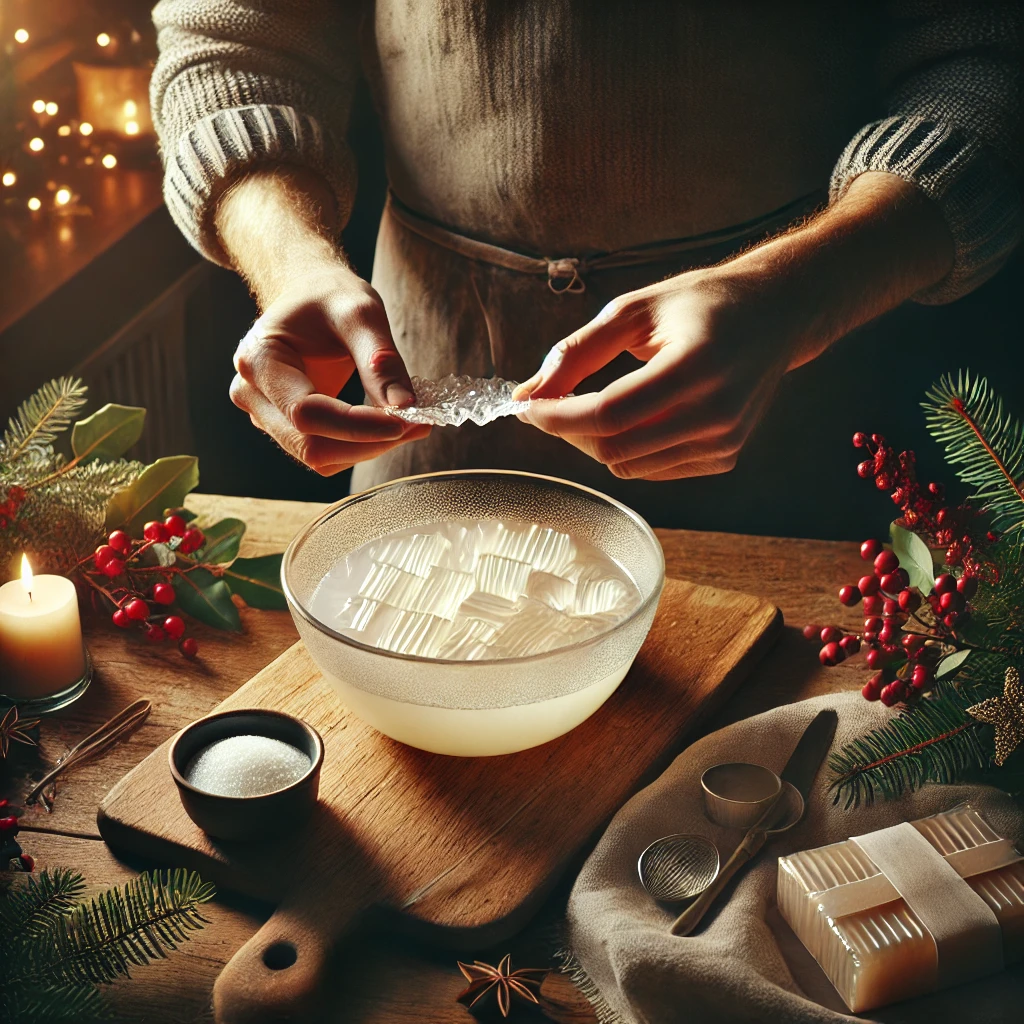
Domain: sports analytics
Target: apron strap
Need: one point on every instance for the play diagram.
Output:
(567, 273)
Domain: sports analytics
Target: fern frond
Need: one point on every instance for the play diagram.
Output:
(56, 1004)
(41, 417)
(933, 740)
(121, 928)
(984, 444)
(31, 909)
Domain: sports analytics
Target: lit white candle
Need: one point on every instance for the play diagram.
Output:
(41, 650)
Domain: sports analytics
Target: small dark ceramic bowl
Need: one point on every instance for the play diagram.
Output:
(247, 817)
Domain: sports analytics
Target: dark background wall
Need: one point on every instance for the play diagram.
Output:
(797, 473)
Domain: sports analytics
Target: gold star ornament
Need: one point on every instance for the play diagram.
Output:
(1006, 713)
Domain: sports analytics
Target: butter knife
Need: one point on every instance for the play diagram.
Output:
(800, 772)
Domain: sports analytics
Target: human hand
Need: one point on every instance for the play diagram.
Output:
(716, 341)
(713, 355)
(321, 326)
(320, 322)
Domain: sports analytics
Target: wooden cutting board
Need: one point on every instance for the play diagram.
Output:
(459, 850)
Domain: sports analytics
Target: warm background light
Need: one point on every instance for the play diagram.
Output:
(39, 106)
(63, 196)
(109, 160)
(20, 35)
(103, 39)
(51, 108)
(34, 204)
(9, 178)
(85, 128)
(35, 144)
(130, 108)
(64, 130)
(131, 127)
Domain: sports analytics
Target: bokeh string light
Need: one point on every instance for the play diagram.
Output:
(62, 142)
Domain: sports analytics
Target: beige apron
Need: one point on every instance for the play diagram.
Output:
(564, 129)
(460, 312)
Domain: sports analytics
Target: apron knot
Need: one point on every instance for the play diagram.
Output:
(564, 275)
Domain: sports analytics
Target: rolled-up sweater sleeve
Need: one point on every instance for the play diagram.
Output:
(244, 82)
(951, 74)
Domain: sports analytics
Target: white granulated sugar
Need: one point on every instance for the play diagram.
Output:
(246, 766)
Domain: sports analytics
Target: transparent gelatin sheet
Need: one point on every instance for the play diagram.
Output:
(454, 400)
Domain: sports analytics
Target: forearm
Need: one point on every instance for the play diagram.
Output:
(881, 243)
(275, 224)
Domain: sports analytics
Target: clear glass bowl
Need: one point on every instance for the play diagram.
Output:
(474, 708)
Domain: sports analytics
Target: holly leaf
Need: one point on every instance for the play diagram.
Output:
(950, 665)
(223, 540)
(108, 433)
(208, 599)
(258, 581)
(165, 482)
(915, 557)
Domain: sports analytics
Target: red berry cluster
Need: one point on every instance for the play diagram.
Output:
(11, 851)
(904, 641)
(119, 557)
(14, 499)
(923, 510)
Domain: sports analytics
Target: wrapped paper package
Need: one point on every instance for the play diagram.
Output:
(908, 909)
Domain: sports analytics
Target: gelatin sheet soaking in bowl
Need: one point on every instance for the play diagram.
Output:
(404, 596)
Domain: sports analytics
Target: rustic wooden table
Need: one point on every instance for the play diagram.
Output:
(381, 980)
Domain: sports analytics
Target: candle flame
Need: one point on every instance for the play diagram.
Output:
(26, 576)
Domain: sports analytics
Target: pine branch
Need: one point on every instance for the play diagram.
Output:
(932, 740)
(983, 442)
(33, 908)
(41, 417)
(57, 1004)
(1000, 607)
(121, 928)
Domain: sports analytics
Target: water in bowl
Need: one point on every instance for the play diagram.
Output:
(468, 590)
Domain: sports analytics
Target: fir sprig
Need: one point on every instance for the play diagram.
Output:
(40, 418)
(56, 948)
(932, 740)
(984, 444)
(101, 940)
(67, 500)
(32, 909)
(64, 1004)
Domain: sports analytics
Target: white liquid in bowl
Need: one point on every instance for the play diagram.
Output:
(477, 732)
(461, 594)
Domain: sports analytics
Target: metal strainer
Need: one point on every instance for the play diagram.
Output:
(678, 867)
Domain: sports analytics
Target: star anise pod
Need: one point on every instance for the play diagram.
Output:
(13, 730)
(505, 982)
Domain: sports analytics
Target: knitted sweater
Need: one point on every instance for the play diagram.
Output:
(560, 127)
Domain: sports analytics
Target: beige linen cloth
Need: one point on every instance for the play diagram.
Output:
(743, 964)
